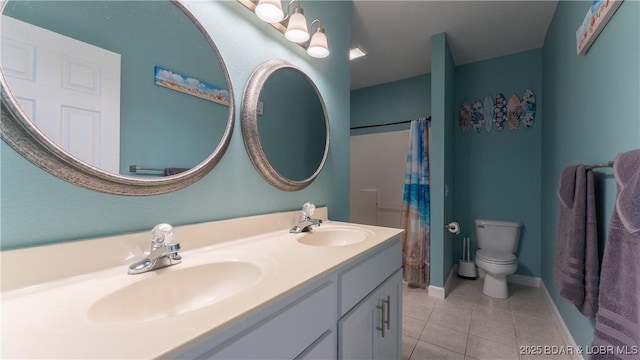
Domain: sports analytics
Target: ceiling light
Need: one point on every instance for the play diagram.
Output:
(270, 11)
(297, 28)
(318, 46)
(356, 53)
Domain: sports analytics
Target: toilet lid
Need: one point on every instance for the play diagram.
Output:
(496, 257)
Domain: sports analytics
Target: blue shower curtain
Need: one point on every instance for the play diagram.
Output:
(416, 207)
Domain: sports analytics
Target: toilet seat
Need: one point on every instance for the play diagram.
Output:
(496, 257)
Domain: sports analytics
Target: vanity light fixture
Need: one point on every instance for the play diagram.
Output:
(292, 24)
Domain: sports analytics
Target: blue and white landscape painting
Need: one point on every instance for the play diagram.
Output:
(188, 85)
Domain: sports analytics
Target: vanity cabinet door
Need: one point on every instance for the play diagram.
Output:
(391, 293)
(357, 337)
(372, 329)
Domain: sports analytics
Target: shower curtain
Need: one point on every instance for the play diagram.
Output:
(416, 207)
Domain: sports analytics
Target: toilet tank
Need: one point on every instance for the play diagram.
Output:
(497, 235)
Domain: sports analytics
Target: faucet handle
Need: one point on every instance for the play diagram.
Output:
(308, 209)
(161, 235)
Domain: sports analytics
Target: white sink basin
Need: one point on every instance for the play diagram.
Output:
(175, 290)
(334, 236)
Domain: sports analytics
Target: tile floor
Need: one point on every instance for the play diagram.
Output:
(470, 325)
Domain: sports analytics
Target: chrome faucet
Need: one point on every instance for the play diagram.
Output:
(306, 222)
(162, 252)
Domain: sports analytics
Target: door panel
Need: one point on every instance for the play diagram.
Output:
(53, 75)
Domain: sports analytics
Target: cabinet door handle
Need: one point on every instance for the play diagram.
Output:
(388, 312)
(382, 321)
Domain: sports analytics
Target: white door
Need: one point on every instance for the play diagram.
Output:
(69, 88)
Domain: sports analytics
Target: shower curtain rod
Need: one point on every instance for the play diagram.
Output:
(387, 124)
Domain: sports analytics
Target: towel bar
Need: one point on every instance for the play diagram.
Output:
(600, 165)
(135, 168)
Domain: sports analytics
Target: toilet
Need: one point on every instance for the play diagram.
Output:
(497, 243)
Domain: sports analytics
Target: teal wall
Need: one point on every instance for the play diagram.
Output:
(153, 119)
(38, 208)
(591, 113)
(442, 157)
(401, 100)
(498, 173)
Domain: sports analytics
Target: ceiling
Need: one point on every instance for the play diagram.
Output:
(396, 35)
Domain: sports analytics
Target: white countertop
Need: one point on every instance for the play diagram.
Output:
(49, 311)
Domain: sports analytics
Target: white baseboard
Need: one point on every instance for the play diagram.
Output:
(442, 292)
(436, 292)
(566, 334)
(450, 278)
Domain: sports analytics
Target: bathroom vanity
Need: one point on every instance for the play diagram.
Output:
(246, 288)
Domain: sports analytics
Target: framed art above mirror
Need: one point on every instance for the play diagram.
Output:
(284, 125)
(166, 104)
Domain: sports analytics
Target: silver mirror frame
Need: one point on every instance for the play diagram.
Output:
(25, 138)
(249, 124)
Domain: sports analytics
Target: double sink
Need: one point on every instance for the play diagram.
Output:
(204, 278)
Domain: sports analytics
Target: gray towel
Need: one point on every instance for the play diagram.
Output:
(627, 172)
(618, 318)
(576, 263)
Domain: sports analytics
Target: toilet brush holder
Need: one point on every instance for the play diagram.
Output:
(467, 270)
(466, 266)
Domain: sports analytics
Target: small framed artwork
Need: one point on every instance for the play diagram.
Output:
(188, 85)
(596, 19)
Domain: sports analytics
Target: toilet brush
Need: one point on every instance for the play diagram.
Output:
(466, 267)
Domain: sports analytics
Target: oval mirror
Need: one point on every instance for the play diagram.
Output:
(130, 98)
(284, 125)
